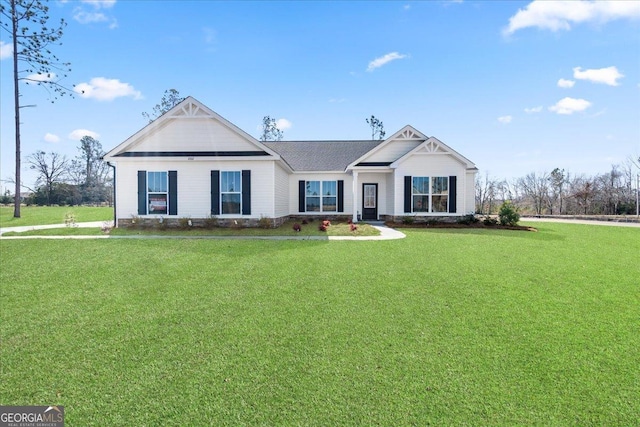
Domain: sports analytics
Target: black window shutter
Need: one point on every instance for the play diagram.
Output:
(215, 192)
(246, 192)
(340, 196)
(407, 194)
(301, 192)
(452, 194)
(142, 192)
(173, 192)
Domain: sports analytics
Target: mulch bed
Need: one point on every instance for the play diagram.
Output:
(456, 225)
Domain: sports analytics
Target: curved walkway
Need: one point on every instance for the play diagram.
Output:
(386, 233)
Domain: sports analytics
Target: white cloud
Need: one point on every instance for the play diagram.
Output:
(36, 78)
(505, 119)
(283, 124)
(608, 76)
(560, 15)
(570, 106)
(533, 110)
(100, 4)
(6, 50)
(84, 17)
(406, 7)
(564, 83)
(104, 89)
(77, 134)
(49, 137)
(379, 62)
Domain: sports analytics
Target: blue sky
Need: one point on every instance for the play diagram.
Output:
(516, 87)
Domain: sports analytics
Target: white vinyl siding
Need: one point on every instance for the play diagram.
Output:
(194, 185)
(432, 165)
(194, 134)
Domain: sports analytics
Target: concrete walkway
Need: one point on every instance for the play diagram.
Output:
(386, 233)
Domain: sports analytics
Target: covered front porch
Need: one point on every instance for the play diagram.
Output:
(372, 194)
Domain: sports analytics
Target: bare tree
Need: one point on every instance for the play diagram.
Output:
(377, 127)
(535, 188)
(270, 131)
(26, 23)
(51, 168)
(89, 171)
(486, 190)
(583, 190)
(170, 99)
(557, 180)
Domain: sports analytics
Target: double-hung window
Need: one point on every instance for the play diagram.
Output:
(430, 194)
(231, 192)
(321, 196)
(440, 194)
(157, 193)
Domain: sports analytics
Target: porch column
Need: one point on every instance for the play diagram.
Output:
(355, 197)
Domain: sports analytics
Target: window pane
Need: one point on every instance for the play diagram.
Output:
(329, 204)
(313, 204)
(313, 188)
(421, 203)
(439, 203)
(157, 204)
(369, 196)
(157, 182)
(231, 203)
(230, 182)
(440, 185)
(329, 188)
(420, 185)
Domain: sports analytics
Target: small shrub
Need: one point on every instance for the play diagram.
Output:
(353, 227)
(297, 227)
(185, 222)
(70, 219)
(490, 221)
(161, 224)
(264, 222)
(106, 227)
(326, 223)
(322, 227)
(136, 222)
(468, 220)
(408, 220)
(305, 222)
(210, 222)
(508, 214)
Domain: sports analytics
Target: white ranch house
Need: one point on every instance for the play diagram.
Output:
(192, 163)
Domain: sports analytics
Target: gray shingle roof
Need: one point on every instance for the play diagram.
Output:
(321, 155)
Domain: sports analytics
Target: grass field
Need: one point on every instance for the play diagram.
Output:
(42, 215)
(445, 327)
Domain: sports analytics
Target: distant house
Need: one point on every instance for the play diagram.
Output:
(192, 163)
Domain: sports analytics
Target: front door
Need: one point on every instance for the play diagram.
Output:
(369, 202)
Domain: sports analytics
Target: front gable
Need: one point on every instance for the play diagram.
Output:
(190, 129)
(434, 147)
(394, 147)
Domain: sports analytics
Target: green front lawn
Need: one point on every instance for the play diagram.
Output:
(445, 327)
(43, 215)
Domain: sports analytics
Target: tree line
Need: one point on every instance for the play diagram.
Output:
(561, 193)
(85, 179)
